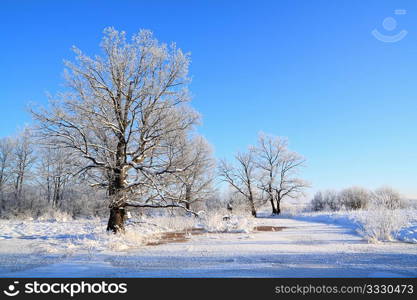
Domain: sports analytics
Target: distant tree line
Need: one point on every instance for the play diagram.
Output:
(354, 198)
(35, 180)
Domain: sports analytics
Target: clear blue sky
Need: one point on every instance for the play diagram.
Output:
(307, 69)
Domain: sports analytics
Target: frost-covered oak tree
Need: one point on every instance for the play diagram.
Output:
(124, 120)
(278, 170)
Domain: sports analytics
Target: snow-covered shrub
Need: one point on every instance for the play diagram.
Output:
(47, 214)
(384, 218)
(292, 209)
(381, 223)
(388, 198)
(54, 215)
(327, 200)
(130, 239)
(223, 221)
(171, 223)
(96, 239)
(353, 198)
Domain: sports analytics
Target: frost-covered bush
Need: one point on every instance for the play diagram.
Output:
(171, 223)
(293, 209)
(327, 200)
(354, 198)
(222, 221)
(388, 198)
(130, 239)
(374, 224)
(381, 223)
(384, 218)
(55, 215)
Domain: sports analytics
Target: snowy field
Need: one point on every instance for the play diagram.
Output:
(307, 245)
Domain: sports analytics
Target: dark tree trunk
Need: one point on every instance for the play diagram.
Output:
(278, 209)
(270, 192)
(48, 189)
(116, 189)
(252, 206)
(57, 192)
(187, 196)
(116, 220)
(274, 210)
(2, 200)
(117, 212)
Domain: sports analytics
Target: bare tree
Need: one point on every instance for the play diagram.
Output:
(23, 160)
(54, 171)
(6, 153)
(278, 170)
(241, 177)
(196, 181)
(121, 118)
(269, 157)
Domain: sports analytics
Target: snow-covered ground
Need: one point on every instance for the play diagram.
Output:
(310, 246)
(401, 224)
